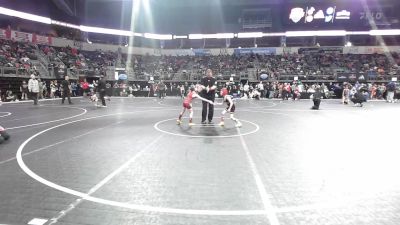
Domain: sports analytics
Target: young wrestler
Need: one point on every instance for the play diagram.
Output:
(230, 108)
(187, 104)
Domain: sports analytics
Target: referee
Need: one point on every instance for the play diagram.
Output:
(209, 85)
(101, 88)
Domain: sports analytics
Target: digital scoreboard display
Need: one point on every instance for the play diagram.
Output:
(326, 16)
(315, 14)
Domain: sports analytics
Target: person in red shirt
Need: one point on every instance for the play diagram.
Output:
(230, 108)
(85, 87)
(187, 104)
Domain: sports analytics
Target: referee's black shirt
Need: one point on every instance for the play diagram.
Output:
(208, 82)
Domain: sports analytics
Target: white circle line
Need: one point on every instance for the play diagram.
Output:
(7, 114)
(203, 136)
(52, 121)
(145, 208)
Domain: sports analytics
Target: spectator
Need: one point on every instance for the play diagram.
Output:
(391, 88)
(66, 90)
(10, 96)
(316, 98)
(74, 89)
(33, 87)
(24, 90)
(102, 90)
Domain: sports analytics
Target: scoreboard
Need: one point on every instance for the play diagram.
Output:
(351, 16)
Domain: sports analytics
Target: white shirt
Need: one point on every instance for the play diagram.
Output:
(33, 86)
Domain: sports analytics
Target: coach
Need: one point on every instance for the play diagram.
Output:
(208, 84)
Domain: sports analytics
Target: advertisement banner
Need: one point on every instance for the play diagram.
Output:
(21, 36)
(320, 50)
(350, 77)
(202, 52)
(37, 39)
(259, 51)
(374, 50)
(5, 34)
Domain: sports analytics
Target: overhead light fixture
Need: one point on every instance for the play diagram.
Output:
(158, 36)
(179, 36)
(221, 35)
(195, 36)
(250, 35)
(63, 24)
(320, 33)
(273, 34)
(357, 32)
(211, 36)
(27, 16)
(384, 32)
(105, 30)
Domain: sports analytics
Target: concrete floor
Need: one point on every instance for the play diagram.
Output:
(131, 164)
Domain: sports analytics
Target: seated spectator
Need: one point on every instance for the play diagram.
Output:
(10, 96)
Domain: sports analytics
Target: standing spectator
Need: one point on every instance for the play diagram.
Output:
(346, 95)
(101, 87)
(271, 90)
(209, 85)
(116, 89)
(24, 90)
(53, 88)
(44, 89)
(161, 90)
(73, 87)
(109, 90)
(182, 91)
(40, 95)
(85, 87)
(373, 91)
(317, 98)
(246, 90)
(66, 90)
(260, 88)
(33, 87)
(391, 88)
(57, 92)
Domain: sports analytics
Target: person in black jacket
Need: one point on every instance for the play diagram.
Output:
(317, 98)
(208, 84)
(102, 90)
(358, 98)
(66, 90)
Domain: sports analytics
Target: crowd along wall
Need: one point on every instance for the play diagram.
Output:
(62, 42)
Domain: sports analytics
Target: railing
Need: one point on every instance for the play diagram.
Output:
(56, 73)
(14, 72)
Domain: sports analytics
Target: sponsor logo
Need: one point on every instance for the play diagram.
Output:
(296, 14)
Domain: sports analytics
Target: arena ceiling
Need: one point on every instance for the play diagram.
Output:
(176, 16)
